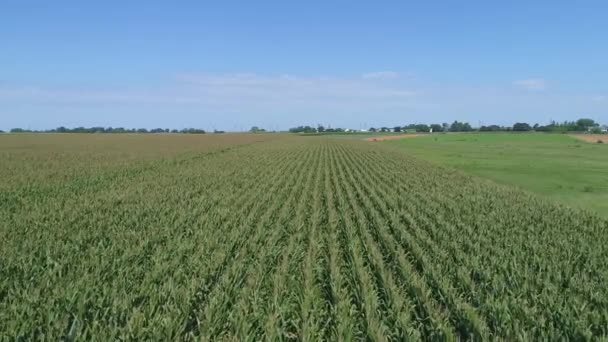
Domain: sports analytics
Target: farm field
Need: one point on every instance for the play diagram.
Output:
(557, 166)
(592, 138)
(276, 237)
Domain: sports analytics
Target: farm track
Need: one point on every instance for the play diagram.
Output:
(306, 239)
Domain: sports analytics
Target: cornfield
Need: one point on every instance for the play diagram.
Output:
(268, 237)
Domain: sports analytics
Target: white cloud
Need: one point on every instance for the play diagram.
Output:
(381, 75)
(224, 100)
(535, 84)
(200, 99)
(36, 94)
(229, 92)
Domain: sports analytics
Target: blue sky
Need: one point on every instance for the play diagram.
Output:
(230, 65)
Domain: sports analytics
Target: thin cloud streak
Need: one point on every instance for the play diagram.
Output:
(286, 100)
(381, 75)
(534, 84)
(246, 89)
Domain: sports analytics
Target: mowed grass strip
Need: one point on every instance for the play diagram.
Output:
(557, 166)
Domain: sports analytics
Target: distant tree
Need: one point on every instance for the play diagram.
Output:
(385, 129)
(436, 128)
(373, 129)
(320, 129)
(18, 130)
(218, 132)
(457, 126)
(546, 128)
(396, 129)
(303, 129)
(585, 124)
(566, 126)
(491, 128)
(521, 127)
(256, 129)
(192, 131)
(422, 128)
(446, 126)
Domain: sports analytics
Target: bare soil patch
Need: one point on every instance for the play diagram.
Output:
(393, 137)
(592, 138)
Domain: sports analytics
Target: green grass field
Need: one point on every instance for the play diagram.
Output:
(246, 237)
(554, 165)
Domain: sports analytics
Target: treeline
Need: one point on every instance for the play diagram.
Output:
(112, 130)
(456, 126)
(318, 129)
(580, 125)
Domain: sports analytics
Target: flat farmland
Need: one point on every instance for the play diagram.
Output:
(275, 237)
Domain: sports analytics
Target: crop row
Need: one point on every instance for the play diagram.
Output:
(302, 238)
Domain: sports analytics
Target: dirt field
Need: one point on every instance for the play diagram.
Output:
(592, 138)
(394, 137)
